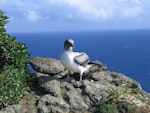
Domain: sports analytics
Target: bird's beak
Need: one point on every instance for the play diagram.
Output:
(73, 45)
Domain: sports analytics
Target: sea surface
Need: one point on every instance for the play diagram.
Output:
(124, 51)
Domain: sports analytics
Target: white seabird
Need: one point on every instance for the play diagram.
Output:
(74, 61)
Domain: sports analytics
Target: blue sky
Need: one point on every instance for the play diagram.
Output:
(75, 15)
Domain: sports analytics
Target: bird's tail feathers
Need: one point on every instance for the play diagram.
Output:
(96, 66)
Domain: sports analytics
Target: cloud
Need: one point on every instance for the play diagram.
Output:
(91, 10)
(137, 1)
(133, 12)
(33, 16)
(84, 8)
(102, 10)
(81, 14)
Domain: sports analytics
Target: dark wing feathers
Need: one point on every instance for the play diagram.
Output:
(82, 59)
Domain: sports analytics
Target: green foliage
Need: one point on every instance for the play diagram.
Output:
(106, 107)
(112, 107)
(126, 107)
(14, 75)
(13, 85)
(116, 94)
(117, 101)
(3, 21)
(13, 52)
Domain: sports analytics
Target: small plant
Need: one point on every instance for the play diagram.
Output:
(117, 94)
(118, 101)
(106, 107)
(126, 107)
(113, 107)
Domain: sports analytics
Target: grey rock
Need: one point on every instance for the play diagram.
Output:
(95, 91)
(49, 84)
(47, 65)
(116, 79)
(74, 98)
(31, 105)
(12, 109)
(51, 104)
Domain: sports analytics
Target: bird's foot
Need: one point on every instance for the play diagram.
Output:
(78, 84)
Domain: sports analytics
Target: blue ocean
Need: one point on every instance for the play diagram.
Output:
(123, 51)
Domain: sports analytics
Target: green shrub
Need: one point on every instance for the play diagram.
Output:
(14, 74)
(116, 102)
(117, 94)
(13, 85)
(3, 21)
(113, 107)
(13, 52)
(126, 107)
(106, 107)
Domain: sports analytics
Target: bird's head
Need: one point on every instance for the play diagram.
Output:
(69, 44)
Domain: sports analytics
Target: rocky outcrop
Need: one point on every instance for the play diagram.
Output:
(47, 65)
(57, 96)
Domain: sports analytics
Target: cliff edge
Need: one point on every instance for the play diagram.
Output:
(101, 91)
